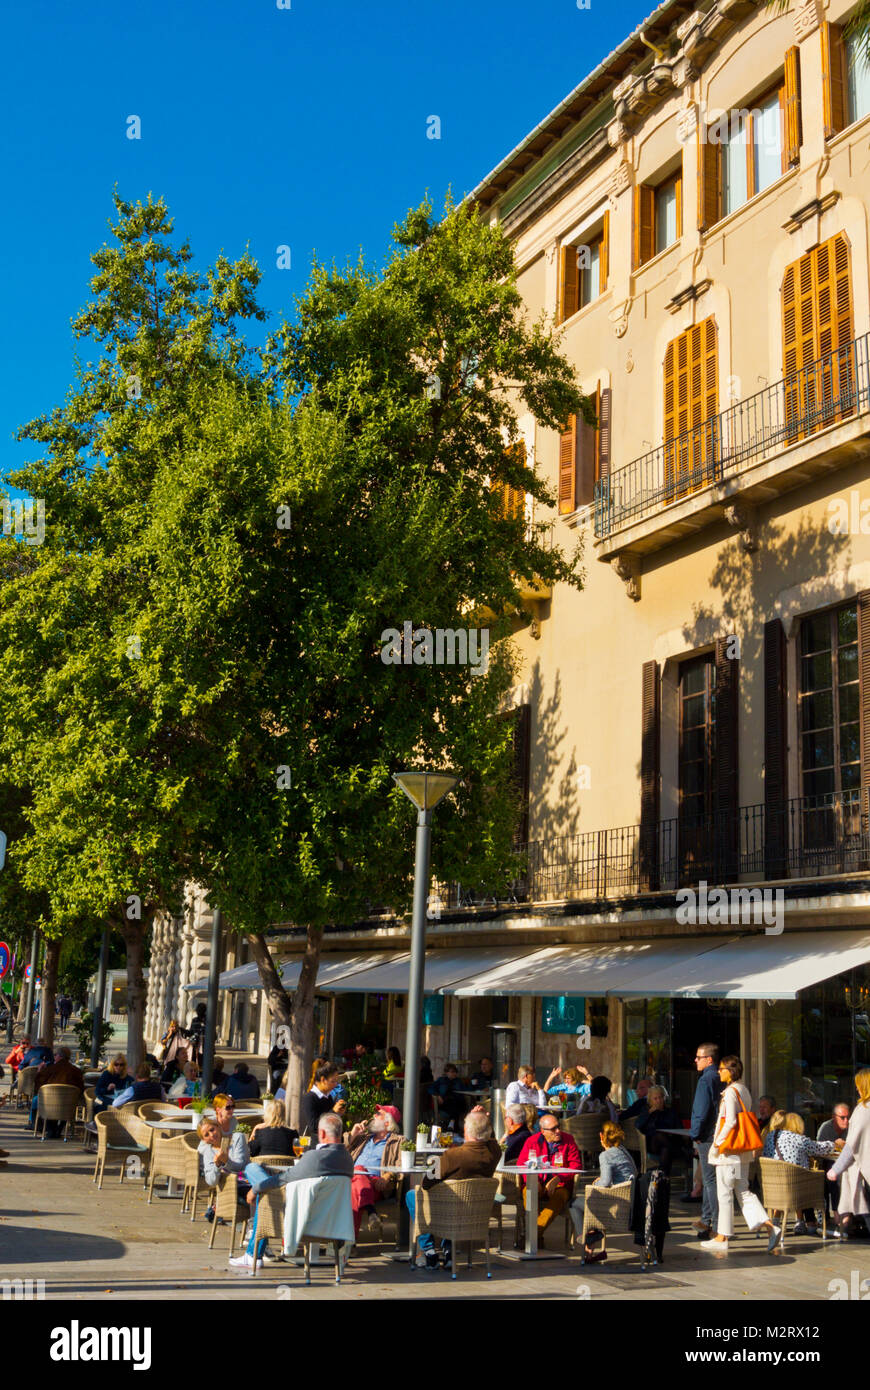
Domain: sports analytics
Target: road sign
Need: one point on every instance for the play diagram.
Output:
(5, 958)
(28, 971)
(2, 849)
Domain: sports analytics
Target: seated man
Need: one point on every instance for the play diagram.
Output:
(242, 1085)
(484, 1078)
(552, 1147)
(516, 1132)
(15, 1056)
(451, 1107)
(638, 1106)
(372, 1146)
(35, 1055)
(60, 1073)
(141, 1088)
(476, 1158)
(329, 1159)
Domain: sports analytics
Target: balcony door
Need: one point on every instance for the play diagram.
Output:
(697, 738)
(691, 423)
(818, 339)
(829, 717)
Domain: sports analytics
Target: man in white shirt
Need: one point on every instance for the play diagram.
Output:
(525, 1090)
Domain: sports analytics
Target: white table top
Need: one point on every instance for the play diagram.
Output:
(542, 1168)
(396, 1168)
(684, 1133)
(172, 1124)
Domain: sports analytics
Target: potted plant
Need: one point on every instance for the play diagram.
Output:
(197, 1109)
(422, 1136)
(243, 1129)
(408, 1151)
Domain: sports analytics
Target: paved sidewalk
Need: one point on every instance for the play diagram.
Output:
(85, 1244)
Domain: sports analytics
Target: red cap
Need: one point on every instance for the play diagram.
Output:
(390, 1110)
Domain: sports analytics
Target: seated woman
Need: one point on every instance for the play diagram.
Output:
(784, 1138)
(111, 1083)
(853, 1165)
(616, 1166)
(575, 1081)
(650, 1122)
(186, 1082)
(598, 1101)
(394, 1068)
(272, 1137)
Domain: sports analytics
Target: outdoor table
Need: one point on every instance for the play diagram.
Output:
(531, 1251)
(403, 1224)
(477, 1093)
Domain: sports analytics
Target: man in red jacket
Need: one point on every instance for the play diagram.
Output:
(551, 1147)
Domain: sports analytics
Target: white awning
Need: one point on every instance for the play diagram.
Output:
(762, 967)
(331, 968)
(445, 970)
(595, 970)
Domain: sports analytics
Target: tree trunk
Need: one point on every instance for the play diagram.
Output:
(48, 993)
(299, 1016)
(133, 932)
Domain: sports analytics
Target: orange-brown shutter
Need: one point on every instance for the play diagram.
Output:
(605, 417)
(644, 224)
(514, 498)
(567, 466)
(709, 183)
(791, 108)
(711, 371)
(569, 283)
(834, 92)
(671, 390)
(604, 254)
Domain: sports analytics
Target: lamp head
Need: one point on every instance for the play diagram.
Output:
(425, 789)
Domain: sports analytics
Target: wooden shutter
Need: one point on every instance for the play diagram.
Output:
(864, 680)
(649, 776)
(569, 283)
(568, 467)
(512, 500)
(817, 321)
(835, 98)
(644, 245)
(587, 450)
(790, 104)
(709, 183)
(604, 254)
(775, 752)
(522, 742)
(726, 787)
(605, 416)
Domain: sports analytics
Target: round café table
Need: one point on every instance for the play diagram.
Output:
(531, 1251)
(417, 1173)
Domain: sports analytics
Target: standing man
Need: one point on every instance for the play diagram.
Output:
(705, 1109)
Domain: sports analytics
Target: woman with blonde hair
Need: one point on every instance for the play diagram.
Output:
(853, 1165)
(272, 1138)
(784, 1138)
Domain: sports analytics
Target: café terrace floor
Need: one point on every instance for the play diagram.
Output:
(85, 1244)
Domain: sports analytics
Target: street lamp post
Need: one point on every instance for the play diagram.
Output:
(100, 1000)
(214, 970)
(425, 789)
(31, 983)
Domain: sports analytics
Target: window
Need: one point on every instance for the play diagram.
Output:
(511, 501)
(828, 703)
(583, 268)
(668, 212)
(658, 218)
(697, 724)
(745, 151)
(859, 79)
(817, 336)
(691, 385)
(584, 454)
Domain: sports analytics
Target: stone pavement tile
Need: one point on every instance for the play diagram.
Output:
(90, 1245)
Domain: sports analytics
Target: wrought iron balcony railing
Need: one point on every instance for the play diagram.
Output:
(804, 837)
(824, 393)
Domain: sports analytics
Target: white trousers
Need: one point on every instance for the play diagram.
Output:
(731, 1179)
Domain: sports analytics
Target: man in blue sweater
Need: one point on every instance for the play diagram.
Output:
(705, 1109)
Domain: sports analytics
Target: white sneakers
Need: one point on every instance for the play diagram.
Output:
(716, 1247)
(247, 1261)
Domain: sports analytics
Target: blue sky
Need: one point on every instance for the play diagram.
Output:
(303, 127)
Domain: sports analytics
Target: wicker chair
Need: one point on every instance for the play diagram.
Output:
(787, 1187)
(510, 1194)
(26, 1077)
(458, 1210)
(227, 1207)
(113, 1137)
(586, 1131)
(607, 1209)
(56, 1102)
(635, 1142)
(85, 1113)
(168, 1160)
(194, 1182)
(270, 1211)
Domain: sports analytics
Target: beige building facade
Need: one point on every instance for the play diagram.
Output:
(695, 217)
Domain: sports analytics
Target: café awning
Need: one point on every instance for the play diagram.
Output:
(761, 967)
(596, 969)
(445, 970)
(332, 967)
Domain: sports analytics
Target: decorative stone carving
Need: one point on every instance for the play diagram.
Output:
(619, 181)
(552, 253)
(807, 18)
(629, 362)
(741, 517)
(627, 568)
(687, 123)
(683, 72)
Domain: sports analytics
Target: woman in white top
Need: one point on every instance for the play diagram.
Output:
(732, 1170)
(525, 1090)
(854, 1161)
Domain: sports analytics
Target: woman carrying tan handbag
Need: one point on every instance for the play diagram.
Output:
(735, 1141)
